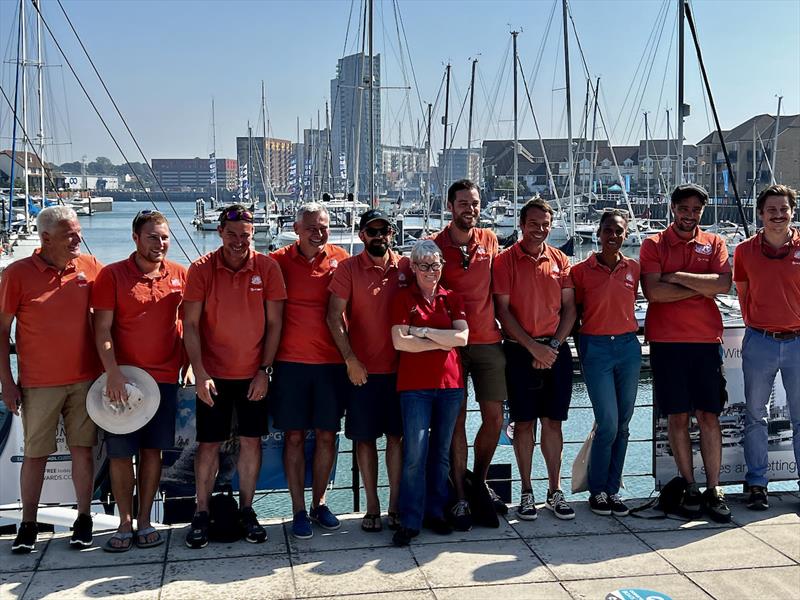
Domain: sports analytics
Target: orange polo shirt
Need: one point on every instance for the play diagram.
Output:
(369, 289)
(473, 284)
(607, 296)
(772, 301)
(146, 329)
(306, 337)
(55, 344)
(234, 319)
(696, 319)
(534, 286)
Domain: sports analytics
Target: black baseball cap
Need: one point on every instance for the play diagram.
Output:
(686, 190)
(371, 215)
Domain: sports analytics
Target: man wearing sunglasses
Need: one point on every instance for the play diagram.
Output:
(468, 253)
(310, 378)
(233, 313)
(362, 289)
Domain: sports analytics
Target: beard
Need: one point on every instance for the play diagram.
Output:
(378, 249)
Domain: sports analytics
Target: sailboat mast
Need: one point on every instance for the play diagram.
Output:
(471, 107)
(214, 151)
(647, 157)
(370, 88)
(312, 153)
(755, 175)
(443, 168)
(428, 161)
(249, 161)
(265, 154)
(40, 91)
(570, 158)
(775, 140)
(681, 107)
(594, 145)
(669, 161)
(25, 139)
(515, 182)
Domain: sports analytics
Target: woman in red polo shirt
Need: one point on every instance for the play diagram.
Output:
(429, 324)
(605, 286)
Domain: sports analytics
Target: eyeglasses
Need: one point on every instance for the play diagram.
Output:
(464, 257)
(435, 267)
(375, 232)
(236, 214)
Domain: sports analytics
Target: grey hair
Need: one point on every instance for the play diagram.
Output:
(309, 208)
(53, 215)
(423, 249)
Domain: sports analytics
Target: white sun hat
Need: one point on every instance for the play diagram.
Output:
(130, 415)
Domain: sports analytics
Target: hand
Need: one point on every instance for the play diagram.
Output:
(356, 371)
(12, 396)
(115, 387)
(543, 356)
(258, 387)
(205, 388)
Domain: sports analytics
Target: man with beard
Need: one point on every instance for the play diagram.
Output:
(683, 268)
(468, 252)
(310, 377)
(362, 289)
(233, 311)
(766, 269)
(136, 323)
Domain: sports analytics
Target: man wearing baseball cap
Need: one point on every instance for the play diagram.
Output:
(362, 289)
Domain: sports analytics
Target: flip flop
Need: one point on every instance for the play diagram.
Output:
(122, 537)
(371, 523)
(141, 538)
(393, 520)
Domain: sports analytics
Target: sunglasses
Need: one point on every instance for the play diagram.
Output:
(464, 257)
(376, 232)
(435, 267)
(236, 214)
(145, 214)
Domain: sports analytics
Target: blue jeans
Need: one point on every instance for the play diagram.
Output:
(611, 366)
(426, 454)
(762, 358)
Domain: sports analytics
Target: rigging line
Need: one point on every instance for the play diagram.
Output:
(540, 54)
(411, 63)
(492, 102)
(407, 94)
(124, 122)
(664, 78)
(458, 120)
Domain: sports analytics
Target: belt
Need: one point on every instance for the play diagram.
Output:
(778, 335)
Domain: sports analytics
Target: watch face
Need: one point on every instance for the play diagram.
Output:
(554, 344)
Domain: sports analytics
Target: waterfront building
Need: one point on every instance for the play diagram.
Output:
(193, 174)
(252, 151)
(34, 173)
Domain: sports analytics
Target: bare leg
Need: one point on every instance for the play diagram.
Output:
(524, 442)
(294, 463)
(487, 437)
(458, 452)
(394, 468)
(367, 456)
(552, 445)
(681, 445)
(710, 445)
(206, 465)
(83, 477)
(324, 455)
(149, 478)
(31, 478)
(122, 483)
(248, 466)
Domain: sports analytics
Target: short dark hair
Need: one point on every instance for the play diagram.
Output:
(235, 212)
(776, 190)
(147, 216)
(610, 214)
(687, 190)
(534, 203)
(457, 186)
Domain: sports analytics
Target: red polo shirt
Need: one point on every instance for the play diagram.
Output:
(234, 319)
(55, 344)
(432, 369)
(369, 290)
(146, 329)
(607, 296)
(534, 286)
(473, 284)
(772, 301)
(696, 319)
(306, 337)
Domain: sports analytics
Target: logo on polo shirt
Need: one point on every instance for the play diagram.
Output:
(796, 258)
(629, 281)
(256, 280)
(333, 263)
(555, 271)
(80, 279)
(705, 249)
(175, 283)
(401, 280)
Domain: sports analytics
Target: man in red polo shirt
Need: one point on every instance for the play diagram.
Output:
(683, 268)
(535, 302)
(48, 294)
(766, 269)
(310, 377)
(136, 323)
(233, 310)
(468, 252)
(362, 289)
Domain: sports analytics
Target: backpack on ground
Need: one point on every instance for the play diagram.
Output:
(223, 525)
(669, 501)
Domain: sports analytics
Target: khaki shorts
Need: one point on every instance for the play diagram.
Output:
(41, 409)
(486, 365)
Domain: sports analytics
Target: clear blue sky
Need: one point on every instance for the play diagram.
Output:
(164, 60)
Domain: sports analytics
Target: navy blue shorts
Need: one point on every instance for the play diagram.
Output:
(687, 377)
(216, 423)
(373, 409)
(535, 393)
(304, 396)
(157, 434)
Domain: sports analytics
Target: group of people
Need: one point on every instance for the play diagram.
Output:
(309, 334)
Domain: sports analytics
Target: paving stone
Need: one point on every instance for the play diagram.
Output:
(12, 585)
(13, 563)
(275, 544)
(60, 555)
(360, 571)
(477, 563)
(713, 549)
(636, 524)
(772, 582)
(126, 582)
(348, 537)
(262, 576)
(785, 538)
(593, 556)
(784, 509)
(400, 595)
(511, 591)
(674, 586)
(548, 525)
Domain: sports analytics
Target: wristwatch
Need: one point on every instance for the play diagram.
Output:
(554, 343)
(267, 369)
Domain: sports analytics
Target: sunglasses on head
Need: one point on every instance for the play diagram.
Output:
(464, 257)
(236, 214)
(144, 214)
(378, 231)
(437, 266)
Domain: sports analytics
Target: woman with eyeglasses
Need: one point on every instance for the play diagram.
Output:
(429, 324)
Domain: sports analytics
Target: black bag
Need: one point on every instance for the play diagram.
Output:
(669, 500)
(223, 515)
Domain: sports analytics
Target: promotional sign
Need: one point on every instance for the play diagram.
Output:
(781, 464)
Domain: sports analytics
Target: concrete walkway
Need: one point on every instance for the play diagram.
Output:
(756, 556)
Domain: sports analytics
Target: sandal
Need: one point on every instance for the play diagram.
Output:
(125, 537)
(372, 523)
(143, 534)
(393, 520)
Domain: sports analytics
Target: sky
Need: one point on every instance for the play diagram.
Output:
(164, 61)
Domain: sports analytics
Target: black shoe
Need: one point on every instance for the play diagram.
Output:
(527, 506)
(252, 529)
(618, 507)
(559, 506)
(26, 538)
(691, 505)
(599, 504)
(758, 498)
(714, 505)
(437, 525)
(403, 536)
(198, 531)
(81, 532)
(497, 502)
(460, 516)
